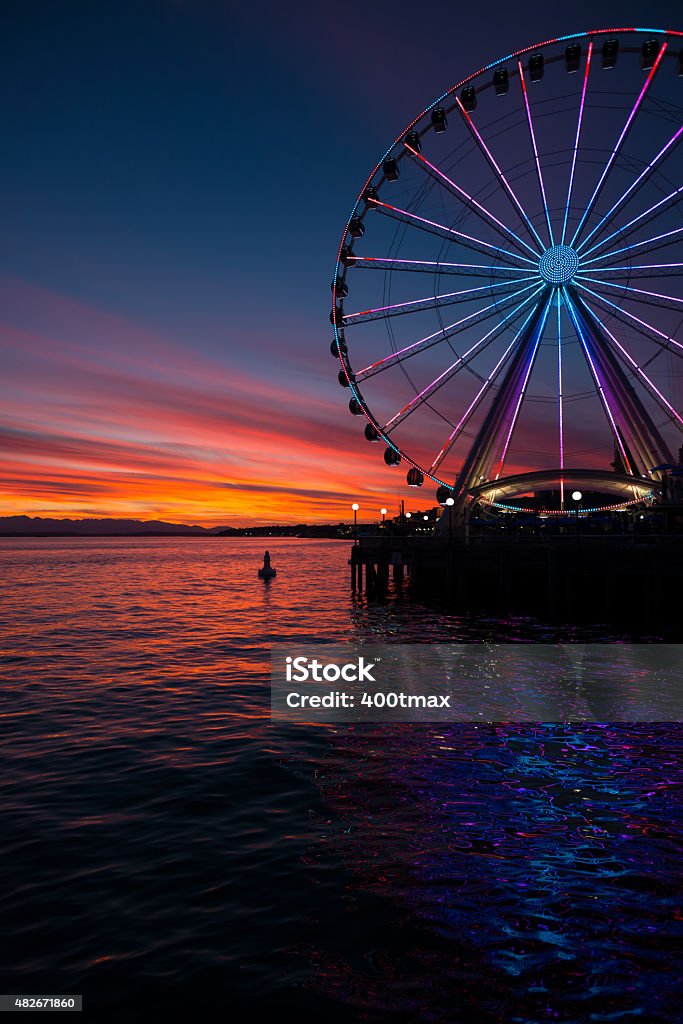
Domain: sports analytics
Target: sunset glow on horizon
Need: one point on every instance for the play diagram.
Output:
(141, 427)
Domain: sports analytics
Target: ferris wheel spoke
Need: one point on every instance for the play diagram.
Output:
(660, 337)
(633, 422)
(522, 391)
(501, 177)
(478, 461)
(429, 302)
(467, 199)
(460, 363)
(571, 309)
(443, 333)
(643, 218)
(576, 141)
(639, 270)
(451, 234)
(560, 396)
(539, 172)
(635, 294)
(478, 398)
(435, 267)
(620, 141)
(633, 188)
(646, 245)
(636, 368)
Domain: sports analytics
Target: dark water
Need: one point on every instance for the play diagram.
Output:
(165, 848)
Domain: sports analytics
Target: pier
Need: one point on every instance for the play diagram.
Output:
(625, 578)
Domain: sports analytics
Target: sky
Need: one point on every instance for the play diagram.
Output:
(174, 183)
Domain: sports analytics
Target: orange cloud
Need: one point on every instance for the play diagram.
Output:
(100, 415)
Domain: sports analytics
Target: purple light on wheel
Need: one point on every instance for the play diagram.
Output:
(510, 191)
(624, 196)
(470, 199)
(638, 369)
(598, 382)
(615, 151)
(522, 390)
(576, 140)
(535, 149)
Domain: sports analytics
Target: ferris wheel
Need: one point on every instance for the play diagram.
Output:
(507, 301)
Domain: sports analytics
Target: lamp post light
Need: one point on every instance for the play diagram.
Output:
(450, 502)
(355, 508)
(383, 513)
(577, 496)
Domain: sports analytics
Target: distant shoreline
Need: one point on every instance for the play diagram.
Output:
(37, 526)
(249, 534)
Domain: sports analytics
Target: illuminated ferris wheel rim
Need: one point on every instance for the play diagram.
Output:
(488, 67)
(557, 264)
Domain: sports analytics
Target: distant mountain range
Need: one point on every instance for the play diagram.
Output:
(27, 526)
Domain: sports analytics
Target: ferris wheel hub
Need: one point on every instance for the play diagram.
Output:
(558, 264)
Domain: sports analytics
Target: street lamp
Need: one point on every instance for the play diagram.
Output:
(383, 512)
(577, 496)
(355, 508)
(450, 502)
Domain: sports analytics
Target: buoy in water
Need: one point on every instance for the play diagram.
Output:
(266, 572)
